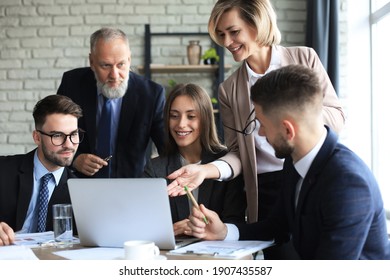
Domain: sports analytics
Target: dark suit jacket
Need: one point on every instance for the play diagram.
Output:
(340, 212)
(16, 186)
(141, 118)
(226, 198)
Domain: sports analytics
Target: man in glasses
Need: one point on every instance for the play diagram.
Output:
(31, 183)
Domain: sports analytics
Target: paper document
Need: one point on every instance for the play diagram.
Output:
(33, 239)
(100, 253)
(37, 239)
(16, 253)
(224, 249)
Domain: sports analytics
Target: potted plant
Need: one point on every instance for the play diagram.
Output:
(171, 83)
(214, 101)
(169, 87)
(210, 56)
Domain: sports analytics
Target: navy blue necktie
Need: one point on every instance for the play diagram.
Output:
(103, 149)
(43, 200)
(295, 177)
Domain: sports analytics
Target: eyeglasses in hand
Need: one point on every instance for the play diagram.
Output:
(59, 138)
(250, 125)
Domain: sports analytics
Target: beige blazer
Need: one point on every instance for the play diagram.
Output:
(235, 106)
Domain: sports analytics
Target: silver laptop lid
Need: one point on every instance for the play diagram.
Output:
(111, 211)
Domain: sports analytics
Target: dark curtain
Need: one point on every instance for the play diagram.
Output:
(322, 34)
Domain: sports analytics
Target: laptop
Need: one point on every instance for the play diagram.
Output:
(109, 212)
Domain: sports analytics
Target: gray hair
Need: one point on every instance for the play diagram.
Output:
(107, 34)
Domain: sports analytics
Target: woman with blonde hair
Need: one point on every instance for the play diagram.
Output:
(248, 30)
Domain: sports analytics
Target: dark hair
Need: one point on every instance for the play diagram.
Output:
(291, 87)
(208, 136)
(54, 104)
(107, 34)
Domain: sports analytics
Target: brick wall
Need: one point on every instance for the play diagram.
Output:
(40, 39)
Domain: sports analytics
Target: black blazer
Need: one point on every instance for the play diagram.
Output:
(340, 212)
(16, 186)
(227, 198)
(141, 119)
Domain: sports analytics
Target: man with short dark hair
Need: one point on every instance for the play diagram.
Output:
(330, 203)
(25, 201)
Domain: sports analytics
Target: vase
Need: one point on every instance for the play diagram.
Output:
(194, 51)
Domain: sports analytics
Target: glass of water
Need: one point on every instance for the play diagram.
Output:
(62, 225)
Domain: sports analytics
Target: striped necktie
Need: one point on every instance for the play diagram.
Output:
(43, 200)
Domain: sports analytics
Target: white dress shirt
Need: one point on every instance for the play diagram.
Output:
(302, 166)
(30, 223)
(264, 152)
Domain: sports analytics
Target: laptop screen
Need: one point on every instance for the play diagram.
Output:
(109, 212)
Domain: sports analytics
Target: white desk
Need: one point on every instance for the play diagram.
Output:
(46, 253)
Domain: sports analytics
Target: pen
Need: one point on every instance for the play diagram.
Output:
(190, 252)
(192, 198)
(108, 158)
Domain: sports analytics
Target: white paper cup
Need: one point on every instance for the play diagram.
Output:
(140, 250)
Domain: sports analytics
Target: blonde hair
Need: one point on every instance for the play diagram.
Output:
(257, 13)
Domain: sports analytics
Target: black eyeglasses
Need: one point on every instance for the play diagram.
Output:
(59, 138)
(250, 125)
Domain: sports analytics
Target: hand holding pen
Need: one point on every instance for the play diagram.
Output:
(108, 158)
(192, 198)
(89, 164)
(214, 230)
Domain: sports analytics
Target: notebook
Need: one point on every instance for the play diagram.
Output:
(109, 212)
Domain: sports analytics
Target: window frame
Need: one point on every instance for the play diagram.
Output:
(378, 14)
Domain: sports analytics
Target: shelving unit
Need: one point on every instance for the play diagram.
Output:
(148, 68)
(217, 69)
(161, 68)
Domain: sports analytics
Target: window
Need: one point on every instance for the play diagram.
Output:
(367, 88)
(380, 56)
(377, 4)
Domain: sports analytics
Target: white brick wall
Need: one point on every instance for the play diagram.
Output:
(40, 39)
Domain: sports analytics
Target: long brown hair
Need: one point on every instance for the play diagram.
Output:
(208, 136)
